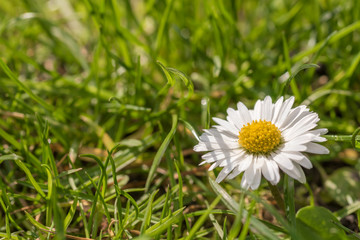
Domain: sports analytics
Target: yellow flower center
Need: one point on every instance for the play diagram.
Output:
(261, 137)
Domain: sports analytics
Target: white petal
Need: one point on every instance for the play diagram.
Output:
(267, 171)
(294, 155)
(267, 109)
(234, 160)
(302, 177)
(306, 124)
(290, 146)
(214, 165)
(256, 180)
(305, 162)
(251, 178)
(302, 139)
(295, 114)
(257, 110)
(319, 139)
(259, 162)
(275, 168)
(220, 154)
(296, 173)
(223, 173)
(205, 137)
(234, 117)
(244, 112)
(320, 131)
(209, 146)
(277, 109)
(244, 183)
(221, 133)
(252, 114)
(316, 148)
(225, 130)
(245, 163)
(250, 174)
(234, 173)
(283, 161)
(226, 125)
(224, 158)
(284, 112)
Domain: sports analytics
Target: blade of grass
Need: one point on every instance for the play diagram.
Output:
(7, 224)
(347, 230)
(159, 228)
(22, 86)
(164, 20)
(70, 214)
(48, 197)
(335, 37)
(293, 84)
(188, 83)
(30, 177)
(289, 194)
(236, 227)
(296, 72)
(161, 151)
(218, 228)
(202, 219)
(58, 214)
(255, 224)
(191, 128)
(354, 207)
(5, 204)
(169, 78)
(245, 229)
(148, 213)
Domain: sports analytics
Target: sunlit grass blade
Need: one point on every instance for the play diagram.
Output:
(169, 78)
(235, 229)
(347, 230)
(161, 151)
(292, 76)
(23, 87)
(218, 228)
(190, 127)
(148, 213)
(70, 214)
(159, 228)
(289, 194)
(30, 177)
(203, 217)
(354, 207)
(335, 37)
(163, 23)
(234, 206)
(245, 228)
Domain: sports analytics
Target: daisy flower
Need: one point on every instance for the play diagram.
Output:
(261, 141)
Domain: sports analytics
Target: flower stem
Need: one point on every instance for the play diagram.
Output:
(340, 138)
(276, 194)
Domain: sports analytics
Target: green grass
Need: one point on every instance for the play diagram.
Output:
(101, 103)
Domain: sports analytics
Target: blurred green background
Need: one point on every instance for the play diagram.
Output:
(78, 77)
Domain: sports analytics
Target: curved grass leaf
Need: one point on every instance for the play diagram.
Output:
(70, 214)
(30, 177)
(22, 86)
(255, 224)
(296, 72)
(148, 213)
(335, 37)
(354, 142)
(202, 219)
(161, 151)
(160, 227)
